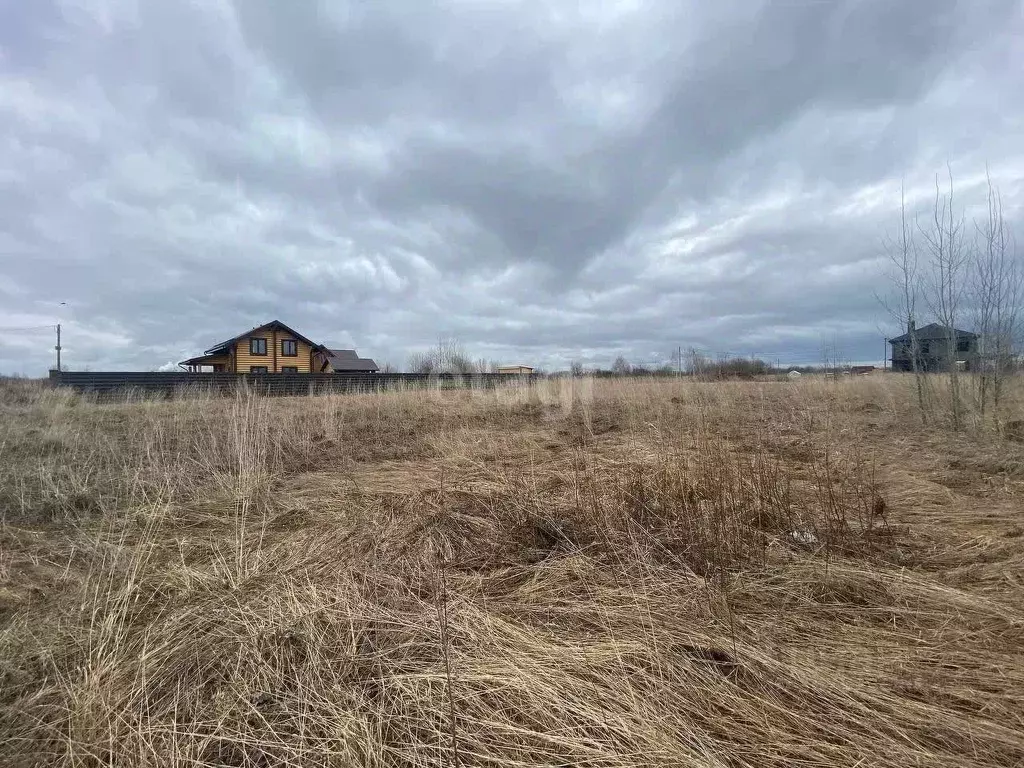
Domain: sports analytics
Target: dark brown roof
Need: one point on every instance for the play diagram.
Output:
(348, 360)
(272, 324)
(343, 354)
(203, 360)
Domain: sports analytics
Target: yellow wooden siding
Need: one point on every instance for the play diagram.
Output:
(243, 360)
(273, 360)
(301, 362)
(221, 360)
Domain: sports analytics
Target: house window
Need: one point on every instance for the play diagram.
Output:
(926, 348)
(289, 348)
(257, 346)
(963, 346)
(258, 368)
(289, 369)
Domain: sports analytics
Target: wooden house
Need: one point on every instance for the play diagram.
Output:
(276, 348)
(514, 369)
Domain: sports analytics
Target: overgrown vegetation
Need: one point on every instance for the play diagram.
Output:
(606, 573)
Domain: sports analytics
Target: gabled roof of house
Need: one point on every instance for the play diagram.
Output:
(224, 345)
(348, 360)
(933, 331)
(343, 354)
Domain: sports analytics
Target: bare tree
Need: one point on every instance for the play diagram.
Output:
(422, 362)
(576, 369)
(833, 361)
(949, 255)
(621, 366)
(447, 357)
(453, 358)
(697, 363)
(997, 290)
(904, 276)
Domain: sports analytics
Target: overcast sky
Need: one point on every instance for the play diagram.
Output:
(541, 182)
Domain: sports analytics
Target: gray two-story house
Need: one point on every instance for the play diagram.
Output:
(933, 349)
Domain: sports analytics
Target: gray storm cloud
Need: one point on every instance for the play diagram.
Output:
(543, 183)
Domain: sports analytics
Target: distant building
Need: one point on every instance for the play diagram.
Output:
(933, 349)
(515, 369)
(276, 348)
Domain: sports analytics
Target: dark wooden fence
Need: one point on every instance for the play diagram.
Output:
(175, 383)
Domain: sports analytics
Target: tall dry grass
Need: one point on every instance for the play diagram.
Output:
(602, 573)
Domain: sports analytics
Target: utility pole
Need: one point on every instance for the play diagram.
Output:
(679, 361)
(58, 347)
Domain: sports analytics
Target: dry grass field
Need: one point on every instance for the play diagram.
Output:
(611, 573)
